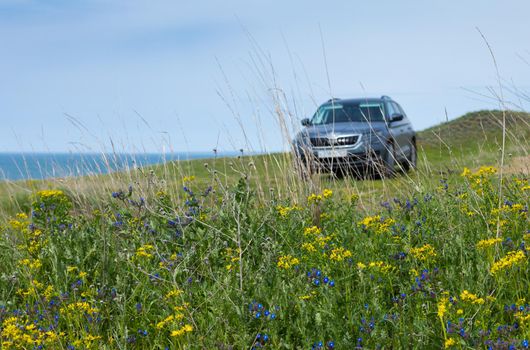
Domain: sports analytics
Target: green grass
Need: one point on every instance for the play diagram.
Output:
(99, 265)
(471, 140)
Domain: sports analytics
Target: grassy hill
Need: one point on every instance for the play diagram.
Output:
(479, 127)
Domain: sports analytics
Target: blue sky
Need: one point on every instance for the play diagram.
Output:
(181, 76)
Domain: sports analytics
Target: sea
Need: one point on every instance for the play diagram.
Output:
(25, 166)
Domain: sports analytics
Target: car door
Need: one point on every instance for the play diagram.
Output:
(398, 130)
(408, 131)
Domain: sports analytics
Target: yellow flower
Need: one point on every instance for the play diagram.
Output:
(449, 342)
(466, 172)
(467, 296)
(179, 308)
(459, 312)
(79, 307)
(339, 254)
(165, 321)
(22, 216)
(309, 247)
(285, 211)
(369, 221)
(327, 193)
(313, 230)
(442, 307)
(479, 178)
(50, 194)
(377, 223)
(185, 329)
(424, 252)
(485, 243)
(314, 198)
(18, 225)
(511, 259)
(321, 240)
(49, 292)
(145, 251)
(188, 178)
(287, 261)
(89, 339)
(325, 216)
(486, 170)
(174, 293)
(377, 266)
(32, 264)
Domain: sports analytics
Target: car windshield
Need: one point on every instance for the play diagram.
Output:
(349, 112)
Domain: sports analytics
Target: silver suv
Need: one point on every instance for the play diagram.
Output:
(357, 133)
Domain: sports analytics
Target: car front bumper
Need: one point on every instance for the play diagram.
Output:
(331, 158)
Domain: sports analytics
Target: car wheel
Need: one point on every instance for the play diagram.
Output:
(412, 159)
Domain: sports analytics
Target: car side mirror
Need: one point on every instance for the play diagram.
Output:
(306, 122)
(396, 117)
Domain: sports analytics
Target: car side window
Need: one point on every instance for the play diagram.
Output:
(400, 109)
(396, 108)
(391, 109)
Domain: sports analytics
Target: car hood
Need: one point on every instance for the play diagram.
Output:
(338, 129)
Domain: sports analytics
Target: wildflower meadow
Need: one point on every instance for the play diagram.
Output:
(444, 267)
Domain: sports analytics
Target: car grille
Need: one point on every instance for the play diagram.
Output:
(341, 141)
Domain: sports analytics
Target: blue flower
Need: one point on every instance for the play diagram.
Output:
(131, 339)
(462, 332)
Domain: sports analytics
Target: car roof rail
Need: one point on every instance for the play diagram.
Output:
(385, 97)
(333, 99)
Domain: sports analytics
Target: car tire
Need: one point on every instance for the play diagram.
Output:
(412, 159)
